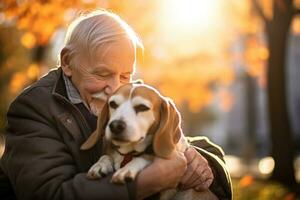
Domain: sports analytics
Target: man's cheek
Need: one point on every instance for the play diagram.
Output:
(94, 87)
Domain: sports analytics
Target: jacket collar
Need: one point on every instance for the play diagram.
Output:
(59, 89)
(73, 114)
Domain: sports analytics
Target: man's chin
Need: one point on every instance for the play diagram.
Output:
(96, 106)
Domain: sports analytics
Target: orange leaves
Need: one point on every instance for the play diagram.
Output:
(28, 40)
(246, 181)
(296, 25)
(192, 82)
(267, 7)
(20, 79)
(39, 19)
(256, 56)
(197, 96)
(33, 71)
(17, 82)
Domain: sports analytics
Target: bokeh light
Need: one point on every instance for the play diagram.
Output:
(266, 165)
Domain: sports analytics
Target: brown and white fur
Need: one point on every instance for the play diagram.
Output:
(137, 117)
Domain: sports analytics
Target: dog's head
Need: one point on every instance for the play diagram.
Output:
(134, 112)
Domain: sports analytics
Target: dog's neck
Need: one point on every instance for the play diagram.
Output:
(136, 148)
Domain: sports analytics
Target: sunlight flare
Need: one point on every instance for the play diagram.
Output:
(184, 23)
(191, 13)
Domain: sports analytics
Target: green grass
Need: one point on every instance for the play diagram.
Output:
(247, 188)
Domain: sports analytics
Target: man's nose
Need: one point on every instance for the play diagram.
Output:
(112, 85)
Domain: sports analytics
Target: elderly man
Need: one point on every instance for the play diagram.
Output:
(48, 122)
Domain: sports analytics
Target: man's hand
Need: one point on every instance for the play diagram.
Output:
(161, 174)
(198, 174)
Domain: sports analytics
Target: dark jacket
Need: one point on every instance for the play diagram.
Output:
(42, 157)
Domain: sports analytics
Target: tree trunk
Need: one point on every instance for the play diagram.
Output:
(280, 130)
(250, 147)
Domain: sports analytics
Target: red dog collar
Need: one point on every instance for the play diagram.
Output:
(127, 158)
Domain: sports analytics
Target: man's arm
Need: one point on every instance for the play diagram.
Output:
(221, 185)
(158, 176)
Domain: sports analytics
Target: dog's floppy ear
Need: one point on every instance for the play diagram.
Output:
(99, 132)
(169, 130)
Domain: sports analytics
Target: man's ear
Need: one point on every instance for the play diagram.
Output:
(65, 62)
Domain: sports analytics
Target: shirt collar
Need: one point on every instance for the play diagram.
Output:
(72, 92)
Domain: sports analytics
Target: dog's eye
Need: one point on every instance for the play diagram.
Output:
(113, 104)
(141, 108)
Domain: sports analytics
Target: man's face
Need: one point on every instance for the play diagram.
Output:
(107, 70)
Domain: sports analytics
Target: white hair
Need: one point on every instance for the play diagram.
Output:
(97, 29)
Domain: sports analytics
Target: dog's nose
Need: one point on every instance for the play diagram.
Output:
(117, 126)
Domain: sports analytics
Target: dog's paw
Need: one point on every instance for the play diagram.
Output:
(100, 168)
(124, 174)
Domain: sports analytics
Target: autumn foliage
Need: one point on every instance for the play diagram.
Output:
(190, 57)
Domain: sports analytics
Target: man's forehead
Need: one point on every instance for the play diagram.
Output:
(120, 54)
(102, 67)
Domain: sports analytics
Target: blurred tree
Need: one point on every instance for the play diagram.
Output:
(277, 19)
(12, 75)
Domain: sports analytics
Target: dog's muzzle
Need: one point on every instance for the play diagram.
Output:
(117, 127)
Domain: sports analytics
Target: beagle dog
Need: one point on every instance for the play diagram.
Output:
(138, 123)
